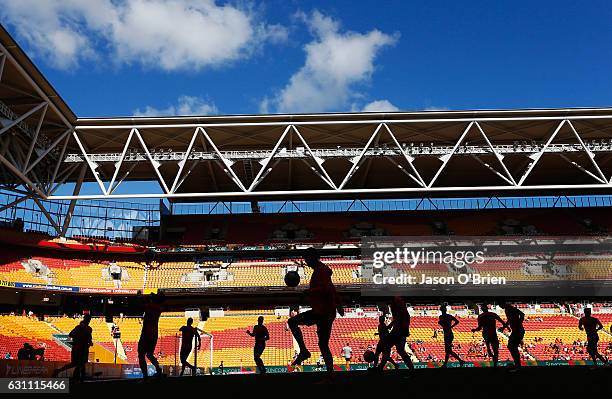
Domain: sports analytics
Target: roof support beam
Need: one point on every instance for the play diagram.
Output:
(22, 117)
(536, 157)
(266, 162)
(63, 136)
(358, 159)
(344, 192)
(75, 193)
(447, 157)
(35, 138)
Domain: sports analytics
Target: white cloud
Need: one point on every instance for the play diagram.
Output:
(335, 62)
(185, 105)
(166, 34)
(380, 106)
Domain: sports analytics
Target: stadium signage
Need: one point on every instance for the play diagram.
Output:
(26, 368)
(47, 287)
(65, 288)
(417, 365)
(118, 291)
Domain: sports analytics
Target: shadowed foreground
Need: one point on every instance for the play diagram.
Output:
(476, 382)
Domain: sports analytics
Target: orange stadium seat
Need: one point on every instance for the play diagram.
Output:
(550, 336)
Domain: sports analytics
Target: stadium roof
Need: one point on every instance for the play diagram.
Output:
(18, 88)
(328, 155)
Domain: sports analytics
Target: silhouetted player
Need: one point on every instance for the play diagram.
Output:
(400, 330)
(188, 333)
(514, 322)
(487, 323)
(591, 325)
(261, 335)
(324, 303)
(384, 343)
(149, 334)
(81, 341)
(448, 322)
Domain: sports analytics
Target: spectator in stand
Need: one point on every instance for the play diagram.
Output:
(319, 362)
(25, 352)
(8, 356)
(221, 368)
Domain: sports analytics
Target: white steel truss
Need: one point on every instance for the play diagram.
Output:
(29, 158)
(316, 158)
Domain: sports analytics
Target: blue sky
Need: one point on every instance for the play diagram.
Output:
(167, 57)
(119, 59)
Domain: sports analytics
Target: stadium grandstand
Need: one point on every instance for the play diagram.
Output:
(232, 202)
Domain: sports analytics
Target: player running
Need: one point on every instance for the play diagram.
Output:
(81, 341)
(400, 331)
(347, 354)
(384, 343)
(591, 325)
(487, 323)
(261, 335)
(514, 322)
(448, 322)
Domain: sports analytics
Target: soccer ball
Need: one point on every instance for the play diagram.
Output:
(368, 356)
(292, 279)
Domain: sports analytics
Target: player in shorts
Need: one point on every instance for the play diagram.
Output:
(384, 343)
(261, 335)
(399, 332)
(448, 322)
(81, 341)
(149, 335)
(514, 322)
(188, 333)
(487, 322)
(324, 302)
(347, 354)
(591, 325)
